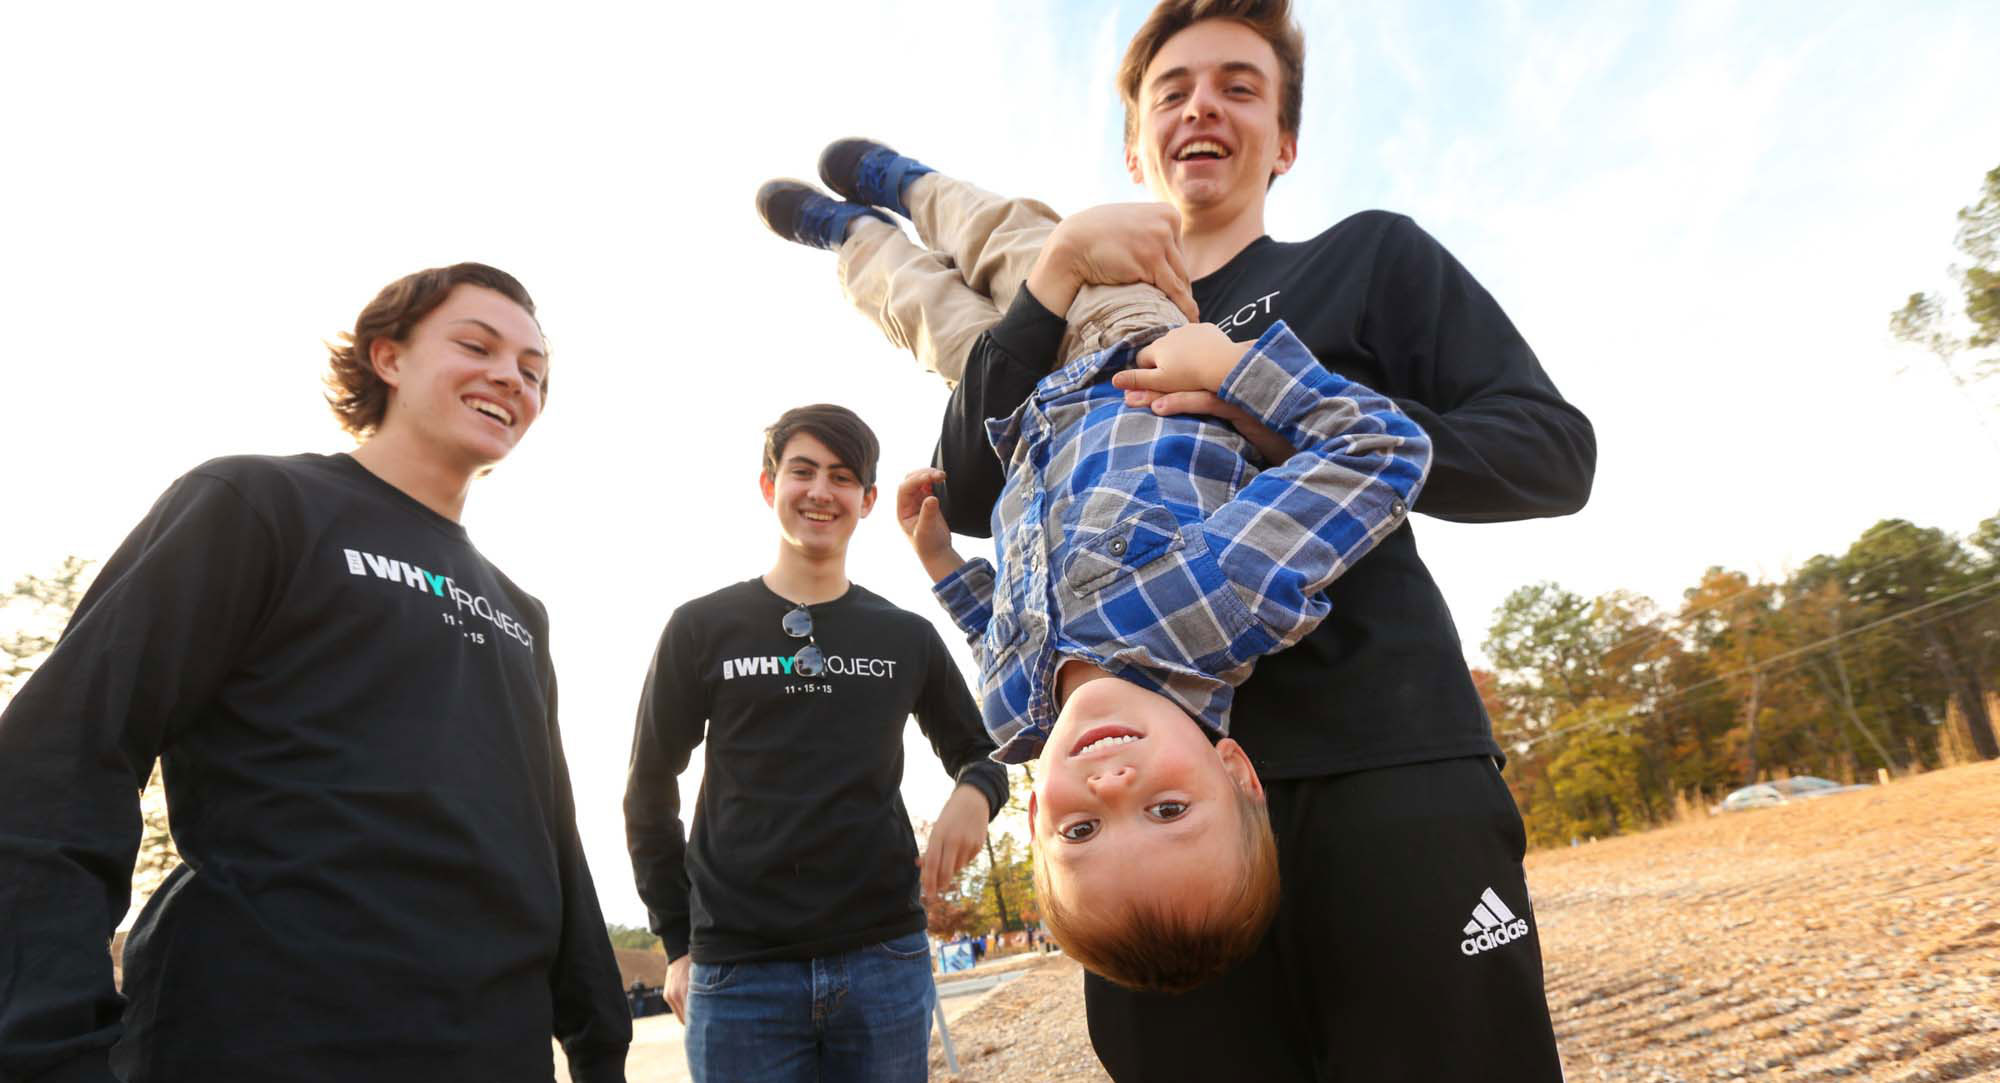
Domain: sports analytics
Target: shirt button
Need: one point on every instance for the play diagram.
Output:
(1117, 547)
(1398, 508)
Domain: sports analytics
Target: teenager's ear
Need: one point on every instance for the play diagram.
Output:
(767, 486)
(1133, 167)
(385, 356)
(1031, 814)
(867, 501)
(1236, 764)
(1288, 153)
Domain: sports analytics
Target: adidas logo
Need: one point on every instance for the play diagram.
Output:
(1492, 925)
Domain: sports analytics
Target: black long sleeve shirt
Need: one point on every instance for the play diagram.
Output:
(356, 714)
(800, 846)
(1382, 681)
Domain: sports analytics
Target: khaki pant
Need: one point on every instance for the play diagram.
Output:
(978, 248)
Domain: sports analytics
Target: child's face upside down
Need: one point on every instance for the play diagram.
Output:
(1132, 802)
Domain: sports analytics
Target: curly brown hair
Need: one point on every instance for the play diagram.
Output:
(358, 395)
(1271, 19)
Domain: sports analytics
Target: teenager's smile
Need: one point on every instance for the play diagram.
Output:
(1203, 148)
(1208, 137)
(488, 408)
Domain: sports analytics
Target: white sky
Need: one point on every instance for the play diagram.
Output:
(1699, 214)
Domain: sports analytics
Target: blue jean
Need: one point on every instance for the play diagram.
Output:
(861, 1016)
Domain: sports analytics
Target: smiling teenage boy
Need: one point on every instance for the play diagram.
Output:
(355, 714)
(1394, 828)
(791, 911)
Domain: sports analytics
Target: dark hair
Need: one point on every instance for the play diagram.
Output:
(845, 434)
(1152, 947)
(1271, 19)
(357, 394)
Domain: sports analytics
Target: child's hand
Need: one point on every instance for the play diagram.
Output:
(1274, 448)
(918, 513)
(922, 520)
(1197, 357)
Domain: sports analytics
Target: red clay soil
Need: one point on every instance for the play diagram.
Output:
(1852, 937)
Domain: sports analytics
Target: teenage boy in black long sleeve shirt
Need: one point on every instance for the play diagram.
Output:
(1405, 946)
(356, 714)
(791, 910)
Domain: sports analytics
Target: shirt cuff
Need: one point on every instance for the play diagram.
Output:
(1276, 379)
(967, 595)
(1028, 334)
(991, 784)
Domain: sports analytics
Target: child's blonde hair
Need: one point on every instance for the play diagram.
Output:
(1155, 946)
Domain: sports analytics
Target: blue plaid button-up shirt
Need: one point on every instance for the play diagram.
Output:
(1153, 546)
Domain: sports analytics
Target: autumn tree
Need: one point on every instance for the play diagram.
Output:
(1614, 714)
(953, 914)
(1931, 585)
(1542, 648)
(1961, 331)
(1817, 610)
(998, 893)
(33, 615)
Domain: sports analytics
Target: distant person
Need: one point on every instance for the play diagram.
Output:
(791, 913)
(356, 714)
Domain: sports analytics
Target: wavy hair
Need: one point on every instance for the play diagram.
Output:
(357, 394)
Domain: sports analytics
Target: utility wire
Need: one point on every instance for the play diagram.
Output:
(1685, 617)
(1765, 664)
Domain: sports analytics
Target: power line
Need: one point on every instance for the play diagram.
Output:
(1948, 541)
(1766, 664)
(1675, 693)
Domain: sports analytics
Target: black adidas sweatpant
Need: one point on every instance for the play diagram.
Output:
(1388, 959)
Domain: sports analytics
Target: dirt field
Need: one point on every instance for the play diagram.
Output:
(1854, 937)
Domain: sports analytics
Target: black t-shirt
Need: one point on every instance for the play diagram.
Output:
(801, 846)
(356, 717)
(1382, 681)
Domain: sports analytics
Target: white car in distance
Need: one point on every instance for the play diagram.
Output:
(1782, 791)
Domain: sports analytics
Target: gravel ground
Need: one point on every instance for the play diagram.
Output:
(1049, 1045)
(1853, 937)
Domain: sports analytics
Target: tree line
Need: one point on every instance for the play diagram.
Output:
(1617, 714)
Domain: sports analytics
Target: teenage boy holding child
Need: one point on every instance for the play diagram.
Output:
(1395, 832)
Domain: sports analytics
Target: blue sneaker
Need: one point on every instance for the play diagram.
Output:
(799, 212)
(865, 171)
